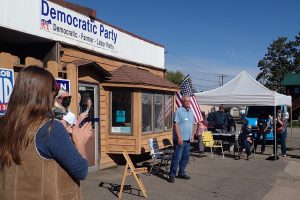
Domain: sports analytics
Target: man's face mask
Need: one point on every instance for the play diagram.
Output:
(66, 101)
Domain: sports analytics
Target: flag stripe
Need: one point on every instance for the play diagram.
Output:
(187, 90)
(197, 114)
(195, 109)
(201, 118)
(178, 99)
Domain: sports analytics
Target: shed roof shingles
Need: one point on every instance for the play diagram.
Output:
(136, 76)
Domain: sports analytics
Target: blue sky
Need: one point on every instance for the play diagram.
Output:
(205, 38)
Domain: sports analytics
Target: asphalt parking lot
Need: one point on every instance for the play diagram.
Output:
(211, 178)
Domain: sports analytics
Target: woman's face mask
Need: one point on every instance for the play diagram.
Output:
(66, 101)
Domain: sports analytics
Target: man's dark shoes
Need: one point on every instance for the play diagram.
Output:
(186, 177)
(171, 179)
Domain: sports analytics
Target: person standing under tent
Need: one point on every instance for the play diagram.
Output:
(280, 136)
(202, 127)
(262, 124)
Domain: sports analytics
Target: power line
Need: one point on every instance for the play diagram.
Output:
(192, 64)
(203, 79)
(208, 86)
(197, 66)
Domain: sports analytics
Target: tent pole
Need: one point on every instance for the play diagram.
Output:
(292, 124)
(274, 132)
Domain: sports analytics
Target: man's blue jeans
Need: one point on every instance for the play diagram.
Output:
(180, 158)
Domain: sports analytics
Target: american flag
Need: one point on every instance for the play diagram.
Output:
(186, 89)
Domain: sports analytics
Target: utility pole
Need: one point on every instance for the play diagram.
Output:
(222, 79)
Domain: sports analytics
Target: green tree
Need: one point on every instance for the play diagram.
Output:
(296, 52)
(282, 57)
(177, 77)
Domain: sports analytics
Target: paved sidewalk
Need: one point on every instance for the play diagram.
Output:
(211, 179)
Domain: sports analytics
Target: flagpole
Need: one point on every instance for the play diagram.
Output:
(185, 79)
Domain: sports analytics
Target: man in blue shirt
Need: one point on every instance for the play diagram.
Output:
(182, 135)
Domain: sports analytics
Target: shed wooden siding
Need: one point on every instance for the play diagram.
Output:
(113, 143)
(108, 143)
(74, 55)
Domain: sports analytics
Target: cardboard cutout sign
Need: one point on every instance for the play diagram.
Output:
(6, 88)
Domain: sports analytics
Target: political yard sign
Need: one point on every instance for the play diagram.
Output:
(6, 87)
(64, 84)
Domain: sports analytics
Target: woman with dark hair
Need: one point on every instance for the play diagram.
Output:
(38, 160)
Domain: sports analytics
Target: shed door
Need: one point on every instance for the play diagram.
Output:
(90, 98)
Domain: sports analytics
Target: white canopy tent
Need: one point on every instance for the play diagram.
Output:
(244, 90)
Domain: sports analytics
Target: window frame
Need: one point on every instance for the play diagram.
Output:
(153, 112)
(163, 108)
(172, 113)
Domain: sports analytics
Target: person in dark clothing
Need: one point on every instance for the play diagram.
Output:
(262, 124)
(230, 122)
(89, 109)
(89, 112)
(219, 118)
(246, 139)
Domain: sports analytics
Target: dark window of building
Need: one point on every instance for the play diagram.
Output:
(121, 112)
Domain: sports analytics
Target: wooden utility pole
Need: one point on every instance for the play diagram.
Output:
(222, 79)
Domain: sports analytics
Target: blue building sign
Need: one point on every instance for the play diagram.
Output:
(6, 87)
(64, 84)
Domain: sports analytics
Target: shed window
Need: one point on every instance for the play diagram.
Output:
(147, 102)
(121, 112)
(157, 112)
(168, 111)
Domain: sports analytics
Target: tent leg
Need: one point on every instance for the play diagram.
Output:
(292, 125)
(274, 132)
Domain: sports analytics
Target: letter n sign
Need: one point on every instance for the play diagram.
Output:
(64, 84)
(6, 87)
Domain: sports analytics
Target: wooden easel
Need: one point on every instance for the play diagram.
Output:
(131, 170)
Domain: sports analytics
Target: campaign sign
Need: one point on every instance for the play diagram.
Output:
(6, 87)
(120, 116)
(64, 84)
